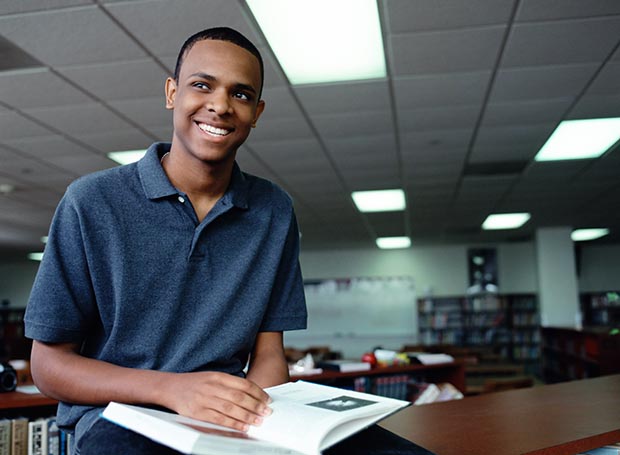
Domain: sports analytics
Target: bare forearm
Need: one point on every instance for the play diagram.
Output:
(65, 375)
(62, 373)
(268, 365)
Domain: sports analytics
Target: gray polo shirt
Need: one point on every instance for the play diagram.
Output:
(131, 274)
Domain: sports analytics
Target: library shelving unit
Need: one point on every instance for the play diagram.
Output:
(507, 322)
(17, 404)
(601, 309)
(452, 372)
(569, 354)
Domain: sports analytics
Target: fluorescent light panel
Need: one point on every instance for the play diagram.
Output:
(35, 256)
(379, 200)
(580, 139)
(323, 41)
(580, 235)
(127, 156)
(391, 243)
(505, 221)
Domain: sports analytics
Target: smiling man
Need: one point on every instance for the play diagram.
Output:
(162, 279)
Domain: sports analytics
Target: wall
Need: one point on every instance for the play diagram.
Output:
(441, 270)
(599, 268)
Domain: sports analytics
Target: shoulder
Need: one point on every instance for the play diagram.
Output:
(263, 190)
(97, 184)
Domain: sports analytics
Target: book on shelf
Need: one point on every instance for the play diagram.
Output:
(5, 437)
(37, 437)
(426, 358)
(307, 418)
(19, 436)
(344, 366)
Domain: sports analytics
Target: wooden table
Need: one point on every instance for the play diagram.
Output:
(559, 419)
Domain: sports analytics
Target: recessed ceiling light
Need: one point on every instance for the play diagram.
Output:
(391, 243)
(379, 200)
(505, 221)
(580, 235)
(580, 139)
(127, 156)
(44, 239)
(323, 40)
(6, 188)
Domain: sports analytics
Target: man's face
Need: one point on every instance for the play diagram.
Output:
(215, 101)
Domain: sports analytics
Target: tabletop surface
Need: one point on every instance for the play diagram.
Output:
(558, 419)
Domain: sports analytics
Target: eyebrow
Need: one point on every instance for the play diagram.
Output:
(209, 77)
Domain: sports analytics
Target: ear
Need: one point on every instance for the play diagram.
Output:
(260, 107)
(171, 90)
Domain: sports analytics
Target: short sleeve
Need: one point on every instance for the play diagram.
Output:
(287, 305)
(62, 297)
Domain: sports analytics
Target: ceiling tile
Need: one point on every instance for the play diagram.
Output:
(119, 80)
(93, 36)
(410, 120)
(601, 106)
(380, 145)
(182, 19)
(79, 119)
(607, 82)
(116, 140)
(145, 111)
(48, 146)
(423, 140)
(560, 43)
(524, 112)
(15, 126)
(538, 83)
(416, 92)
(37, 88)
(536, 10)
(405, 16)
(356, 123)
(344, 97)
(450, 51)
(25, 6)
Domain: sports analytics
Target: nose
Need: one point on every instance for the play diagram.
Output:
(219, 103)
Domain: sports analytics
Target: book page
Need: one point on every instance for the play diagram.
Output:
(304, 413)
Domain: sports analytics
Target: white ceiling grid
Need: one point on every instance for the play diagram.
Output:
(471, 85)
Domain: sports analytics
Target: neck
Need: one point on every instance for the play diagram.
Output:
(198, 179)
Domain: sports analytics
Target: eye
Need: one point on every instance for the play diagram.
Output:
(201, 85)
(242, 96)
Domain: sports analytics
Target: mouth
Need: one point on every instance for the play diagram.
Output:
(213, 130)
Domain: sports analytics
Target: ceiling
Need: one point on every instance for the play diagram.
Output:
(474, 88)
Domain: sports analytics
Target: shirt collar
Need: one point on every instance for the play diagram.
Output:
(156, 184)
(154, 180)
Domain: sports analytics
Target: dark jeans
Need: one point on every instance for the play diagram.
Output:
(105, 438)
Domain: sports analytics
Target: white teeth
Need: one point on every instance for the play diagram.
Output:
(213, 130)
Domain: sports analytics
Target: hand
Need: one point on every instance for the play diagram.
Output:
(218, 398)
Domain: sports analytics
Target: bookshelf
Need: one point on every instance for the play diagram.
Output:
(569, 354)
(601, 309)
(17, 404)
(453, 372)
(508, 322)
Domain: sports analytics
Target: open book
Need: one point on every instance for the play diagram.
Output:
(307, 418)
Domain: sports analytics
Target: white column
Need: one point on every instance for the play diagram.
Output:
(557, 277)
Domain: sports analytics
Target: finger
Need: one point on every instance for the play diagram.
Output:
(235, 411)
(219, 418)
(246, 386)
(245, 401)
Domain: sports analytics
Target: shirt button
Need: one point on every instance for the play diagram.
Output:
(181, 199)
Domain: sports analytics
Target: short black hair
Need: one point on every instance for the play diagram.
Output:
(220, 34)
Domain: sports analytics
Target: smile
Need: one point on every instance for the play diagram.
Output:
(212, 130)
